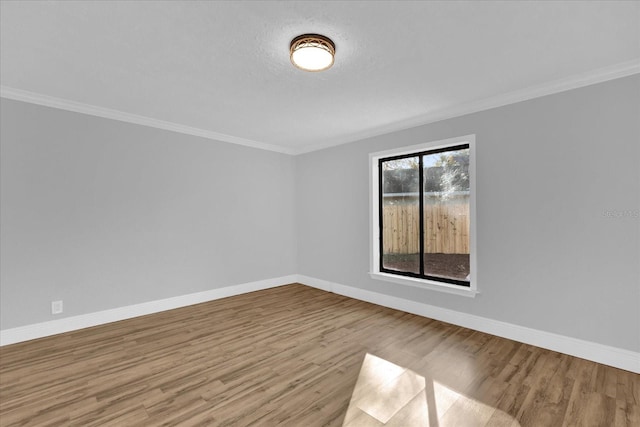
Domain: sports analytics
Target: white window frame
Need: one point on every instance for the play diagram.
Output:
(374, 235)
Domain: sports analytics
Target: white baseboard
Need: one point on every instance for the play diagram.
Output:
(612, 356)
(607, 355)
(67, 324)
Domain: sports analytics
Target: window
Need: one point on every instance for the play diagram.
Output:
(422, 215)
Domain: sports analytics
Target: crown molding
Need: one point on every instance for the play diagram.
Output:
(575, 81)
(561, 85)
(107, 113)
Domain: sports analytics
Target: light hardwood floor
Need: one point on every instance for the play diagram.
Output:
(298, 356)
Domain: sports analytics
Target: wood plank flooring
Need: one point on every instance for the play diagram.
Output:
(298, 356)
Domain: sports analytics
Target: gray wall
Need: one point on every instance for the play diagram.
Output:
(104, 214)
(555, 177)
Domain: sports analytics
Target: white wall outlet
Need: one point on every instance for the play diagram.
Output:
(56, 307)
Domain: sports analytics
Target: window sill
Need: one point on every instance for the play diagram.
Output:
(425, 284)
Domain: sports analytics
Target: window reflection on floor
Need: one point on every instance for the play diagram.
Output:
(386, 394)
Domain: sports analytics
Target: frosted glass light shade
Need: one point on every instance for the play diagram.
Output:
(312, 52)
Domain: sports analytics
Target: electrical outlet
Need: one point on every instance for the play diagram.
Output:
(56, 307)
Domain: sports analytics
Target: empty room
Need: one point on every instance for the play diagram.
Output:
(320, 213)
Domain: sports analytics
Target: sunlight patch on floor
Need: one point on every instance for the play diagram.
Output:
(386, 394)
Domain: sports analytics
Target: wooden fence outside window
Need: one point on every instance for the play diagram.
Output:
(446, 227)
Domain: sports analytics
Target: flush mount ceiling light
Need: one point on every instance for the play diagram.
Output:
(312, 52)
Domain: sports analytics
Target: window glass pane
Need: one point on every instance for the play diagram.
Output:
(446, 214)
(400, 215)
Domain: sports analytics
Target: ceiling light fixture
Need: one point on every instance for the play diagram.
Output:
(312, 52)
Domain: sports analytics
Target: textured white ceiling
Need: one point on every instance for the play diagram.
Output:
(223, 67)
